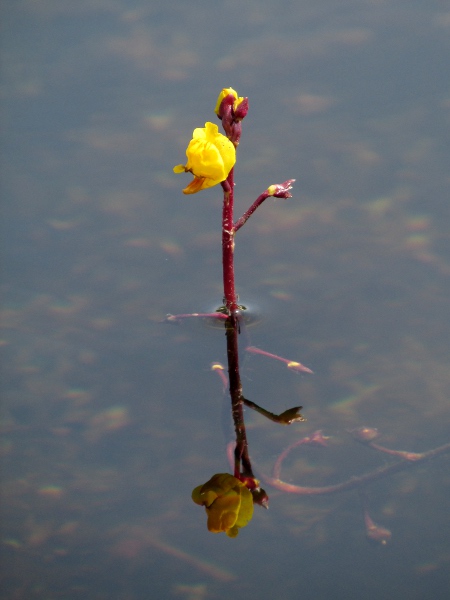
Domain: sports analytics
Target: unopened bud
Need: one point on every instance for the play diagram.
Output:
(227, 98)
(281, 190)
(240, 108)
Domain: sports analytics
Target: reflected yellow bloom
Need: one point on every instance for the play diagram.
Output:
(210, 158)
(227, 501)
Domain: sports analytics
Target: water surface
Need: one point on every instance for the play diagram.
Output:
(111, 417)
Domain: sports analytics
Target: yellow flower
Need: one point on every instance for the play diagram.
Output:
(223, 94)
(210, 158)
(227, 501)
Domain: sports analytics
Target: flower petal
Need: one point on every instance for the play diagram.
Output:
(227, 501)
(210, 158)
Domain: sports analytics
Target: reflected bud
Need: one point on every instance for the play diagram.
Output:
(260, 497)
(318, 438)
(291, 415)
(364, 434)
(377, 534)
(296, 366)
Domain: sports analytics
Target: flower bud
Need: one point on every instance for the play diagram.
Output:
(281, 190)
(240, 108)
(227, 97)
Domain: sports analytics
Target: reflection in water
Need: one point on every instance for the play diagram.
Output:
(106, 413)
(360, 482)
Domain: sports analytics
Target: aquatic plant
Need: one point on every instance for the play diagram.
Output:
(211, 157)
(228, 499)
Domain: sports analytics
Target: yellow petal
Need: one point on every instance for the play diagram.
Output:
(196, 495)
(227, 501)
(210, 158)
(196, 185)
(223, 512)
(204, 160)
(246, 508)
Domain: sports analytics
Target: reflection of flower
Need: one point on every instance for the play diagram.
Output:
(227, 501)
(211, 156)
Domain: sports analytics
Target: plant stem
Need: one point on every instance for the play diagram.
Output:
(229, 290)
(232, 326)
(248, 213)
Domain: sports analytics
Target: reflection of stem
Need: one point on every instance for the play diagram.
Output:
(241, 450)
(368, 435)
(142, 537)
(175, 318)
(375, 533)
(356, 482)
(317, 438)
(411, 456)
(285, 418)
(241, 455)
(291, 364)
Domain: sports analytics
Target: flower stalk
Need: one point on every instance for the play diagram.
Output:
(229, 286)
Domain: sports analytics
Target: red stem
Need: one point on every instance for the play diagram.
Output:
(251, 210)
(229, 289)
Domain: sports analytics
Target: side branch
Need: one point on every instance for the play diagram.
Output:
(251, 210)
(279, 190)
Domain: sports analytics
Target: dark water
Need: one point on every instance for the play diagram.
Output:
(110, 417)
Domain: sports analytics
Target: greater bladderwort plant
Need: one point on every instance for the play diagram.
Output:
(211, 157)
(229, 499)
